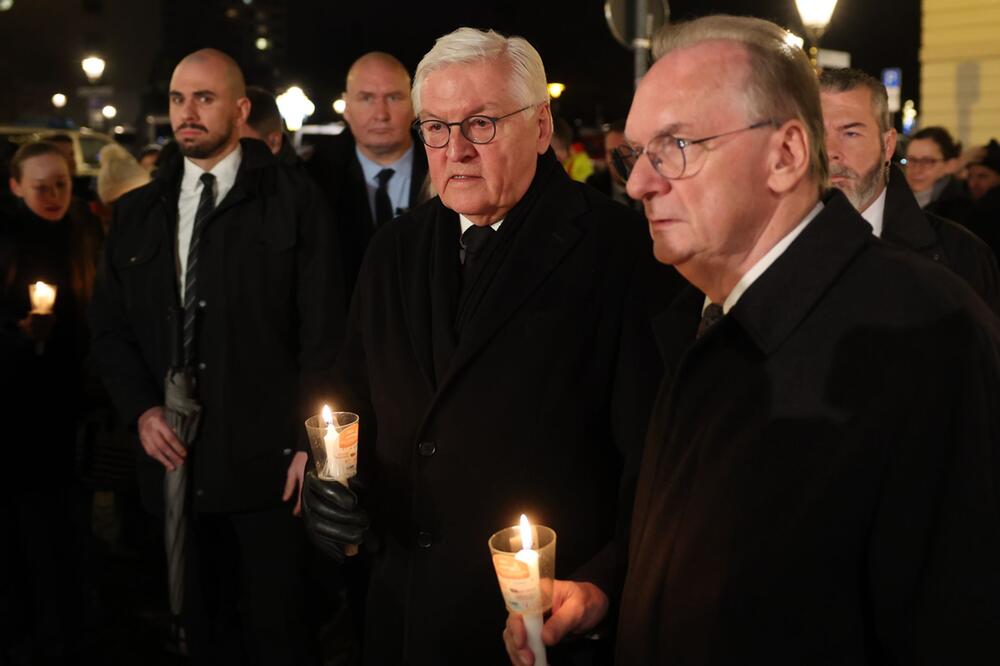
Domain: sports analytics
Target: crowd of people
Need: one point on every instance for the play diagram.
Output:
(746, 365)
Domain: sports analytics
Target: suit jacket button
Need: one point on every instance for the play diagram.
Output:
(427, 449)
(424, 539)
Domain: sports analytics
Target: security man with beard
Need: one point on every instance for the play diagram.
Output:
(241, 247)
(860, 141)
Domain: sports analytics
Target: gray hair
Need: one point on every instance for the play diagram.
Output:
(847, 79)
(781, 84)
(469, 45)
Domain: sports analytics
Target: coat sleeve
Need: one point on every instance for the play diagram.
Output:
(114, 345)
(319, 300)
(934, 551)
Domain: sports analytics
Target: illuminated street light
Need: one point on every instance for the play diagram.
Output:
(59, 100)
(294, 107)
(6, 4)
(815, 15)
(93, 67)
(339, 106)
(109, 112)
(262, 43)
(556, 89)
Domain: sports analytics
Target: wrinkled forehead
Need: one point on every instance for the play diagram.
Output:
(690, 90)
(467, 88)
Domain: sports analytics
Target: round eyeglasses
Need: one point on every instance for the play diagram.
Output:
(670, 155)
(477, 129)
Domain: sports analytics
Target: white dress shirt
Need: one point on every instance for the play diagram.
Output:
(466, 223)
(764, 262)
(875, 213)
(398, 187)
(187, 203)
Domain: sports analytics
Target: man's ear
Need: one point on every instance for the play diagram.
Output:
(544, 128)
(15, 187)
(243, 110)
(789, 157)
(274, 142)
(889, 138)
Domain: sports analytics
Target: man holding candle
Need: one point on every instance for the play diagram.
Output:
(819, 482)
(225, 264)
(501, 360)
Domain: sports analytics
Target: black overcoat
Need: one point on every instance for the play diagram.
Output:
(535, 408)
(939, 239)
(819, 483)
(335, 167)
(269, 326)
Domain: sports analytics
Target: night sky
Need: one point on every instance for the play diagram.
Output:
(41, 42)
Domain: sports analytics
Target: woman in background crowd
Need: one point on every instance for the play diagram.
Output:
(932, 158)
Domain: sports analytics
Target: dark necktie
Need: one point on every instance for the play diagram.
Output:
(474, 240)
(383, 206)
(205, 207)
(712, 314)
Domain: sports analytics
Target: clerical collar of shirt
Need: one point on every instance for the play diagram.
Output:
(466, 223)
(371, 168)
(875, 213)
(224, 171)
(765, 262)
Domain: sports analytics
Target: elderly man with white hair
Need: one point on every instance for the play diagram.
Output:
(501, 358)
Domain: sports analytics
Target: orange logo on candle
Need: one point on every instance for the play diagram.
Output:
(508, 567)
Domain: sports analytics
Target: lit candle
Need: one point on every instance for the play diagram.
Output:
(331, 442)
(532, 620)
(43, 298)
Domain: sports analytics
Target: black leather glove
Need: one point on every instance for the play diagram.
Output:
(332, 515)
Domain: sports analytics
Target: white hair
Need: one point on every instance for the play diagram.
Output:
(468, 45)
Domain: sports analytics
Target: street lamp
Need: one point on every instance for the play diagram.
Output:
(93, 67)
(815, 15)
(556, 89)
(294, 107)
(59, 100)
(339, 106)
(109, 112)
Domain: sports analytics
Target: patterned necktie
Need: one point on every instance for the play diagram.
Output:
(383, 206)
(712, 314)
(205, 207)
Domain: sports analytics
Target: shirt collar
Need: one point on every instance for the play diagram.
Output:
(466, 223)
(875, 213)
(225, 171)
(765, 262)
(371, 168)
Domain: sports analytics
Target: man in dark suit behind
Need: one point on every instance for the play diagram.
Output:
(233, 254)
(860, 142)
(819, 479)
(499, 337)
(372, 173)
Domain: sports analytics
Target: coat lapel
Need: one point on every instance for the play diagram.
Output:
(546, 236)
(428, 273)
(903, 222)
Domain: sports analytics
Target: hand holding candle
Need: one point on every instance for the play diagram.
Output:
(333, 437)
(524, 559)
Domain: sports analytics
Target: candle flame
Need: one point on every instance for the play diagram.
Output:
(327, 415)
(526, 542)
(43, 297)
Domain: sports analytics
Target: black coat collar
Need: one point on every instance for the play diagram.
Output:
(904, 222)
(782, 297)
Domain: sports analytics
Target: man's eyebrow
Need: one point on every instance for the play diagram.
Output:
(852, 125)
(669, 129)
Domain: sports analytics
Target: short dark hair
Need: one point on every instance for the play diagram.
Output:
(950, 149)
(264, 117)
(615, 126)
(33, 149)
(848, 79)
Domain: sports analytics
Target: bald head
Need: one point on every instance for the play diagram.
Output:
(208, 105)
(378, 109)
(222, 64)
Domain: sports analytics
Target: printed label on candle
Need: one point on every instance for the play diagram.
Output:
(520, 588)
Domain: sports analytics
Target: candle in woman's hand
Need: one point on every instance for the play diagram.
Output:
(43, 298)
(331, 442)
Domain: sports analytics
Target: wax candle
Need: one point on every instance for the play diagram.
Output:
(533, 620)
(331, 443)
